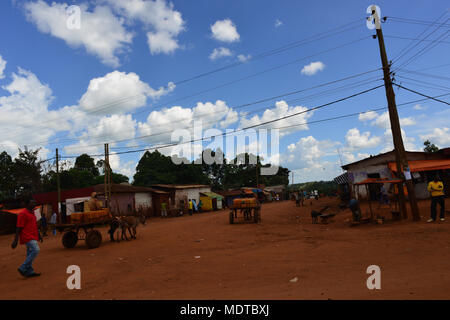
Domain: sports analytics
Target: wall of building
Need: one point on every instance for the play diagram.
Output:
(360, 172)
(121, 203)
(143, 199)
(191, 193)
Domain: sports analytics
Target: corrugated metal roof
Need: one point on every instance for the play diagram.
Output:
(342, 179)
(212, 195)
(125, 188)
(180, 186)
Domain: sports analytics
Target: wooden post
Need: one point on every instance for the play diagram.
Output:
(399, 148)
(58, 186)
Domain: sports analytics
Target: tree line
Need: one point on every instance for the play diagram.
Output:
(27, 174)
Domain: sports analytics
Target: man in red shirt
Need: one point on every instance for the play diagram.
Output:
(27, 231)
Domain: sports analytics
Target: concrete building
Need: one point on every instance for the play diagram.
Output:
(423, 166)
(179, 195)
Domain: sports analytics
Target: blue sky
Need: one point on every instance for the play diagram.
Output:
(121, 76)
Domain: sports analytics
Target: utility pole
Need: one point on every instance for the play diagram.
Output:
(399, 148)
(107, 182)
(257, 173)
(58, 186)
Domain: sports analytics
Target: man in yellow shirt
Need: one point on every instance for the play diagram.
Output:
(436, 189)
(190, 207)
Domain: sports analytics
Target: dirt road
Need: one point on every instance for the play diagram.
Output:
(204, 257)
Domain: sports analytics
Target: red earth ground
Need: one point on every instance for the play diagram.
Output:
(204, 257)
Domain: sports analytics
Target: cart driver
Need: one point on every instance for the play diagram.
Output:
(93, 203)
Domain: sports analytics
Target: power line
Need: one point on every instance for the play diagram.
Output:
(421, 94)
(408, 47)
(414, 39)
(427, 48)
(118, 102)
(306, 123)
(237, 107)
(426, 74)
(256, 125)
(415, 21)
(252, 112)
(283, 48)
(248, 104)
(427, 84)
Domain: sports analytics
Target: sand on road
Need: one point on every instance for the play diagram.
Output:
(283, 257)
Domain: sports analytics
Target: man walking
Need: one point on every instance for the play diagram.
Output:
(29, 235)
(436, 189)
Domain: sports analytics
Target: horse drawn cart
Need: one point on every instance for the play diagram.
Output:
(249, 210)
(83, 228)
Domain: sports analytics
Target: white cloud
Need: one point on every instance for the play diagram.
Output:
(307, 158)
(225, 31)
(278, 23)
(312, 68)
(281, 110)
(119, 92)
(161, 42)
(348, 157)
(439, 136)
(167, 120)
(106, 129)
(159, 16)
(382, 121)
(408, 142)
(25, 118)
(101, 33)
(356, 140)
(369, 115)
(2, 67)
(420, 107)
(219, 53)
(244, 58)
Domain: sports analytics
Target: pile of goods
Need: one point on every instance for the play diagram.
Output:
(90, 216)
(244, 203)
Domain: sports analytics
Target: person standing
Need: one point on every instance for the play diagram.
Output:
(28, 233)
(164, 209)
(190, 207)
(356, 210)
(44, 225)
(53, 219)
(436, 189)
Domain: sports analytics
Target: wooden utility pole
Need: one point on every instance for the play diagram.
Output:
(58, 186)
(107, 182)
(399, 148)
(257, 173)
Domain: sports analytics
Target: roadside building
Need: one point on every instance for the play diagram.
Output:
(422, 165)
(229, 196)
(211, 201)
(125, 199)
(279, 190)
(179, 195)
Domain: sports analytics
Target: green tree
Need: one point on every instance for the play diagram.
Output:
(154, 168)
(6, 176)
(430, 147)
(85, 163)
(27, 170)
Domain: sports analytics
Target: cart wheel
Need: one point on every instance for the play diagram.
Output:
(231, 217)
(70, 239)
(93, 239)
